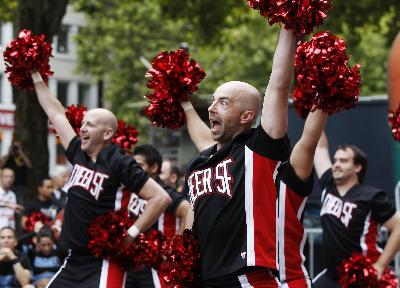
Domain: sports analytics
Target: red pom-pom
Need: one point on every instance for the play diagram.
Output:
(107, 233)
(126, 136)
(182, 266)
(107, 240)
(394, 121)
(300, 16)
(174, 77)
(357, 272)
(388, 279)
(322, 71)
(35, 217)
(75, 116)
(302, 101)
(25, 54)
(145, 251)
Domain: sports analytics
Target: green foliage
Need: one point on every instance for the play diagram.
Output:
(8, 10)
(229, 40)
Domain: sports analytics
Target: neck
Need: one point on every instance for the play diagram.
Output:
(42, 198)
(4, 188)
(345, 186)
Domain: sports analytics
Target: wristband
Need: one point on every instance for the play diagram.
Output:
(186, 106)
(14, 261)
(133, 231)
(36, 77)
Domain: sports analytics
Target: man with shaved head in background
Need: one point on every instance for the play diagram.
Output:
(231, 183)
(100, 170)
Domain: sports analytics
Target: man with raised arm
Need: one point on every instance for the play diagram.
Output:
(100, 171)
(231, 184)
(351, 212)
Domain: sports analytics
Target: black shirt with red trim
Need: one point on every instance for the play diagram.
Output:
(292, 197)
(95, 188)
(233, 194)
(350, 223)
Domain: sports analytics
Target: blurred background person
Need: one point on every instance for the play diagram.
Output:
(15, 267)
(170, 174)
(8, 200)
(60, 176)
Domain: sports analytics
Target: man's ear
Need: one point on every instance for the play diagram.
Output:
(246, 118)
(108, 134)
(154, 169)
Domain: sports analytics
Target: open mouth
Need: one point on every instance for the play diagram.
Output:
(215, 125)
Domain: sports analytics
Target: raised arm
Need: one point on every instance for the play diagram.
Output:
(322, 161)
(302, 156)
(198, 130)
(392, 244)
(274, 117)
(54, 110)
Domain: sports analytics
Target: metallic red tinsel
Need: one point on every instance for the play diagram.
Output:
(108, 234)
(300, 16)
(36, 217)
(174, 77)
(126, 135)
(302, 102)
(25, 54)
(182, 266)
(358, 272)
(322, 71)
(75, 115)
(394, 121)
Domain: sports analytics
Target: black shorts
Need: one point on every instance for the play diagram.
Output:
(260, 278)
(87, 271)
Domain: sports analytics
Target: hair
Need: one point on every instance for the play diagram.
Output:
(40, 180)
(152, 155)
(59, 170)
(360, 158)
(11, 229)
(44, 232)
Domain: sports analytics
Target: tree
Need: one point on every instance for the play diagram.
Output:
(31, 125)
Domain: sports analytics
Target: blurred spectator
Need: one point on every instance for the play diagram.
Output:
(44, 203)
(8, 201)
(170, 174)
(60, 176)
(18, 162)
(45, 258)
(15, 267)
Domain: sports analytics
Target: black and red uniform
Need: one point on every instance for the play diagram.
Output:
(350, 223)
(167, 223)
(292, 197)
(234, 197)
(94, 188)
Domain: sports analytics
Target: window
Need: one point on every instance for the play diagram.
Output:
(62, 39)
(84, 94)
(62, 92)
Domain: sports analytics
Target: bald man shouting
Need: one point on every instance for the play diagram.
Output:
(231, 183)
(100, 171)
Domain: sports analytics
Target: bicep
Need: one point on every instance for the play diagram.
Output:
(393, 222)
(189, 218)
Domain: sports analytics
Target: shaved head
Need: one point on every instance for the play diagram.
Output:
(246, 95)
(105, 117)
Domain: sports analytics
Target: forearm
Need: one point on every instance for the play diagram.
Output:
(26, 160)
(322, 160)
(47, 100)
(154, 208)
(275, 107)
(198, 130)
(23, 276)
(391, 248)
(304, 151)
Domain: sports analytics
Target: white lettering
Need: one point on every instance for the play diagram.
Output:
(334, 206)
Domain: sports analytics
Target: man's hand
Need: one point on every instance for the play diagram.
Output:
(6, 254)
(379, 269)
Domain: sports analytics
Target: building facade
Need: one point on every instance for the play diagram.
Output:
(67, 84)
